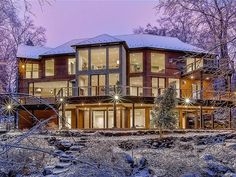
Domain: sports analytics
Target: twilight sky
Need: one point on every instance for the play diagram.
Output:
(70, 19)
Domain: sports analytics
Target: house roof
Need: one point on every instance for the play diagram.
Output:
(64, 48)
(158, 42)
(100, 39)
(133, 41)
(31, 52)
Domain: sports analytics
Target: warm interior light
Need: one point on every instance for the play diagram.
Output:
(118, 62)
(23, 66)
(192, 77)
(207, 78)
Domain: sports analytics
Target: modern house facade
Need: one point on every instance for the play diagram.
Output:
(111, 82)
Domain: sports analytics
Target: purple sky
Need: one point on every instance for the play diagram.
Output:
(71, 19)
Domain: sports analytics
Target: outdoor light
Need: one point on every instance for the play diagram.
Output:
(116, 97)
(23, 66)
(61, 99)
(187, 100)
(207, 78)
(192, 77)
(9, 107)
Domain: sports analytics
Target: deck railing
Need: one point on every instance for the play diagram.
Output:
(208, 64)
(86, 91)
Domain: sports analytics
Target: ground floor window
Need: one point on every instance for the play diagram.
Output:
(139, 115)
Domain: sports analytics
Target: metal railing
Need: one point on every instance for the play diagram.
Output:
(85, 91)
(203, 63)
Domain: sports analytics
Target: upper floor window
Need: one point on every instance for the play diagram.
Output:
(32, 71)
(193, 63)
(71, 66)
(136, 62)
(49, 67)
(98, 58)
(157, 63)
(83, 59)
(114, 59)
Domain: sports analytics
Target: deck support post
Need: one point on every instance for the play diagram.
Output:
(114, 114)
(63, 118)
(133, 115)
(230, 118)
(201, 118)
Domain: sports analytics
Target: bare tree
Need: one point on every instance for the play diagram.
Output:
(14, 31)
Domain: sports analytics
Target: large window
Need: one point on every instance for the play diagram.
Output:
(136, 62)
(114, 60)
(158, 86)
(114, 79)
(136, 86)
(98, 84)
(49, 67)
(194, 63)
(175, 83)
(157, 63)
(71, 66)
(83, 85)
(32, 71)
(83, 59)
(49, 89)
(98, 59)
(139, 115)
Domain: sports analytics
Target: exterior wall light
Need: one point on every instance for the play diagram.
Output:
(116, 97)
(187, 100)
(61, 99)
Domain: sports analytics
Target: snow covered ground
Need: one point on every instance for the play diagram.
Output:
(93, 154)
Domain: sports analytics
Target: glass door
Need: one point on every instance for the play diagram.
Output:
(98, 84)
(99, 118)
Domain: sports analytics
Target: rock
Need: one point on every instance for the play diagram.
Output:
(58, 152)
(63, 145)
(209, 172)
(143, 162)
(217, 167)
(229, 174)
(59, 171)
(191, 175)
(63, 165)
(75, 148)
(12, 173)
(129, 159)
(208, 157)
(48, 170)
(2, 174)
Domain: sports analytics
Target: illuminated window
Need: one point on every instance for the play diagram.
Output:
(113, 79)
(83, 85)
(83, 59)
(98, 59)
(158, 86)
(71, 66)
(175, 83)
(136, 86)
(32, 71)
(114, 60)
(157, 63)
(49, 67)
(136, 62)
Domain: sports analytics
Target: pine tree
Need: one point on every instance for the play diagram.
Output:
(163, 115)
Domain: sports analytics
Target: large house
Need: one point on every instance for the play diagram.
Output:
(111, 82)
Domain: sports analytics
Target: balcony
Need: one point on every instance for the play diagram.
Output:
(203, 64)
(127, 91)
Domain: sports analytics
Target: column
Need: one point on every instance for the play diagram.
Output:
(133, 116)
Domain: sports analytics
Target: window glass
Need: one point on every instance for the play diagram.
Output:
(114, 61)
(139, 118)
(158, 86)
(32, 71)
(49, 67)
(157, 63)
(83, 85)
(83, 59)
(136, 62)
(98, 59)
(175, 82)
(114, 79)
(136, 86)
(71, 66)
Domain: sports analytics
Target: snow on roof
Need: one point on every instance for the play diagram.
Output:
(159, 42)
(103, 38)
(132, 41)
(64, 48)
(32, 52)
